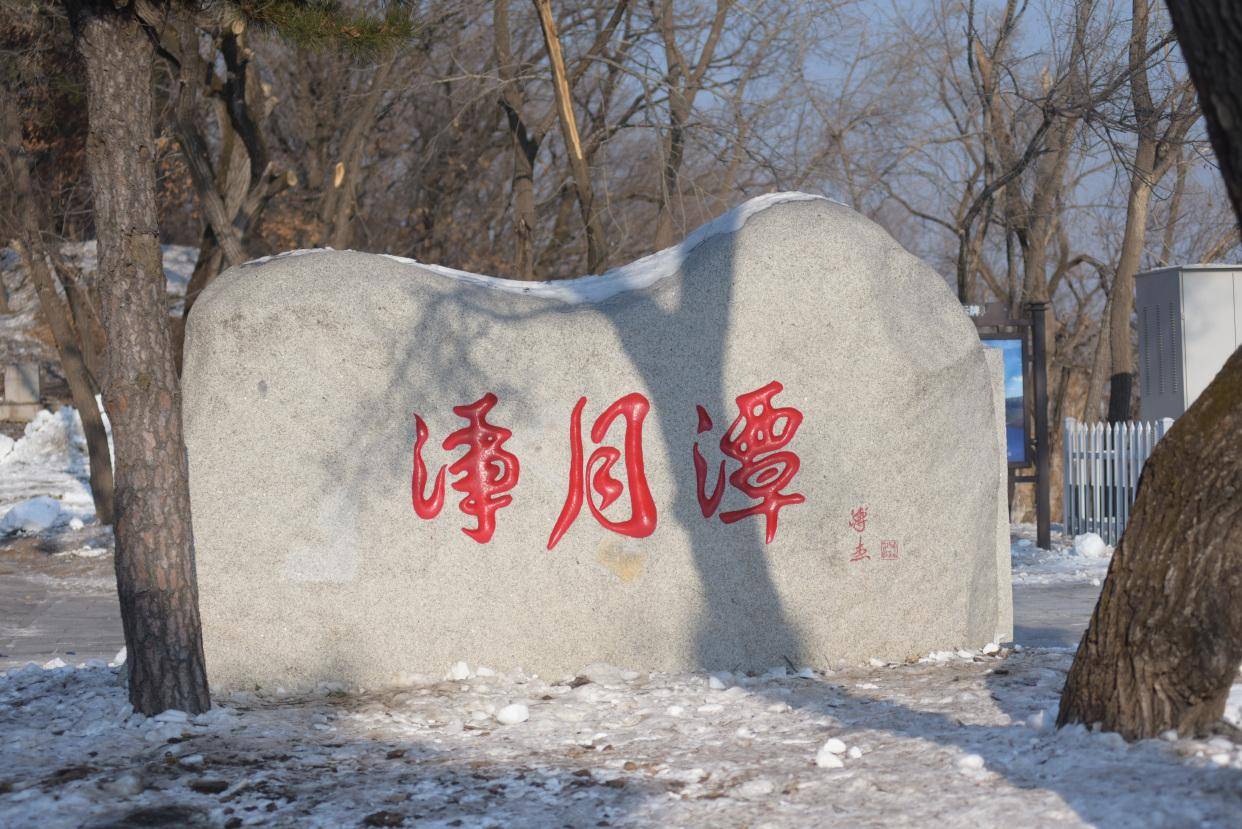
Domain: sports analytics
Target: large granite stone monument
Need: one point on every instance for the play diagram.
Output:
(777, 443)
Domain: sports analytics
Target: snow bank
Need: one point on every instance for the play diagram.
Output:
(641, 273)
(49, 463)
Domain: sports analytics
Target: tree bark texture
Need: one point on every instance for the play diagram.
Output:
(154, 540)
(1209, 33)
(1165, 640)
(1121, 302)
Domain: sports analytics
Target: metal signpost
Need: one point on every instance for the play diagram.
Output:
(996, 328)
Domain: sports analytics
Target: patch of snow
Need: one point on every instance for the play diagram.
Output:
(262, 260)
(32, 517)
(971, 762)
(1081, 560)
(48, 463)
(829, 754)
(835, 746)
(1233, 706)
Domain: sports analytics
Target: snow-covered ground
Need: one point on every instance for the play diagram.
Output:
(1083, 558)
(45, 475)
(967, 741)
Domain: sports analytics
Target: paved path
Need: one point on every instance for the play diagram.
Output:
(57, 604)
(41, 620)
(1052, 615)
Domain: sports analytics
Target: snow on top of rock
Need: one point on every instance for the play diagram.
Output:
(641, 273)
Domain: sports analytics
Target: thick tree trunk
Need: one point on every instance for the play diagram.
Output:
(1165, 640)
(154, 540)
(1209, 33)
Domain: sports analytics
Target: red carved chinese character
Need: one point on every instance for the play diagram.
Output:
(707, 503)
(860, 552)
(888, 550)
(598, 470)
(487, 470)
(754, 439)
(858, 519)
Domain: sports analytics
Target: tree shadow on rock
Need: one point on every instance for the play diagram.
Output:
(675, 334)
(680, 351)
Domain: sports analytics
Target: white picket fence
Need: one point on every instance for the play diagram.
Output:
(1103, 462)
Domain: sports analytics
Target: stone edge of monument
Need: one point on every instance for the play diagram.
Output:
(1004, 557)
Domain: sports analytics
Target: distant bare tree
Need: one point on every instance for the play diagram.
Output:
(1160, 129)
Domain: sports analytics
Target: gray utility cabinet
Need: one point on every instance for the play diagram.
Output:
(1189, 322)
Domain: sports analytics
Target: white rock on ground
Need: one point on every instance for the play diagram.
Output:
(828, 759)
(1091, 545)
(513, 714)
(835, 746)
